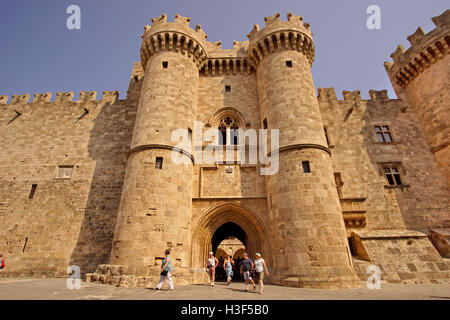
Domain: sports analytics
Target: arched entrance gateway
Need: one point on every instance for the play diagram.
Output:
(225, 220)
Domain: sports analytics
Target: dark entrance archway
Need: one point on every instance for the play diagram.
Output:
(229, 229)
(226, 230)
(216, 224)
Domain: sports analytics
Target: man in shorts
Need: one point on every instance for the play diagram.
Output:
(246, 267)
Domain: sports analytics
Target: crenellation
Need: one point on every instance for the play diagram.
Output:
(417, 37)
(327, 94)
(272, 19)
(64, 97)
(159, 20)
(42, 97)
(379, 95)
(87, 96)
(20, 99)
(443, 20)
(110, 96)
(354, 96)
(4, 99)
(182, 20)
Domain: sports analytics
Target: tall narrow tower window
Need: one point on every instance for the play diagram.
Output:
(306, 167)
(159, 163)
(289, 63)
(33, 191)
(165, 64)
(227, 88)
(265, 123)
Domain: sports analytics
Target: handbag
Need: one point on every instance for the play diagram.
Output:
(3, 264)
(164, 273)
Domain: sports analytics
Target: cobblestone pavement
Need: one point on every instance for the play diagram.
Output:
(51, 289)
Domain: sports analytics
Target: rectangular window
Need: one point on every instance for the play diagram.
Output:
(392, 173)
(159, 163)
(265, 124)
(33, 191)
(383, 133)
(306, 167)
(165, 64)
(227, 88)
(289, 63)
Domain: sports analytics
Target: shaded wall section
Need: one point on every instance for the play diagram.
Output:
(61, 172)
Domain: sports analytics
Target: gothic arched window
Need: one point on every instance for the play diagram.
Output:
(228, 134)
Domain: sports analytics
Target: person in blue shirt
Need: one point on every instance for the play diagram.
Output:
(246, 267)
(166, 269)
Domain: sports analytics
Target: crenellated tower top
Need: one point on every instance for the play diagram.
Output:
(174, 36)
(280, 35)
(425, 50)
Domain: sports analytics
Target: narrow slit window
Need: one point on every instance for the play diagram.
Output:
(25, 245)
(289, 63)
(325, 129)
(159, 163)
(306, 167)
(165, 64)
(265, 124)
(33, 191)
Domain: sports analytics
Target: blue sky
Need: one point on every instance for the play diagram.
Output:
(39, 53)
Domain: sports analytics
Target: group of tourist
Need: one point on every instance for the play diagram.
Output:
(249, 269)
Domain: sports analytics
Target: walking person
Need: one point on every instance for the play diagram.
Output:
(2, 262)
(246, 267)
(260, 267)
(166, 269)
(211, 267)
(228, 266)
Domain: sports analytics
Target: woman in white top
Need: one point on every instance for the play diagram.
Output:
(211, 267)
(260, 267)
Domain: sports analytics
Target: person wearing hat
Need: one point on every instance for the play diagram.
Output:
(211, 267)
(260, 267)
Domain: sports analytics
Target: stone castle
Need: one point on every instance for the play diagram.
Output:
(92, 183)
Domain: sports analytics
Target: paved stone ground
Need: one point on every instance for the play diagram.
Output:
(55, 289)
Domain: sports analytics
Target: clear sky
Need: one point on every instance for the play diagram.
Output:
(39, 54)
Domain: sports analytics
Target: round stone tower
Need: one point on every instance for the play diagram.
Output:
(421, 77)
(155, 206)
(308, 237)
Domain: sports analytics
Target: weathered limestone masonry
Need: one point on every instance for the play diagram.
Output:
(421, 77)
(61, 170)
(92, 183)
(309, 245)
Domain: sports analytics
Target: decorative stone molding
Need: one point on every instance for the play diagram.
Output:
(425, 50)
(174, 36)
(280, 35)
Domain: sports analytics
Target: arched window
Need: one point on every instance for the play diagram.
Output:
(228, 134)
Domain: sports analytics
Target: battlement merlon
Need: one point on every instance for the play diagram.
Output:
(61, 97)
(174, 36)
(425, 50)
(329, 95)
(281, 35)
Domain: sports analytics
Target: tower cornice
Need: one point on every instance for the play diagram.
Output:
(425, 50)
(280, 35)
(174, 36)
